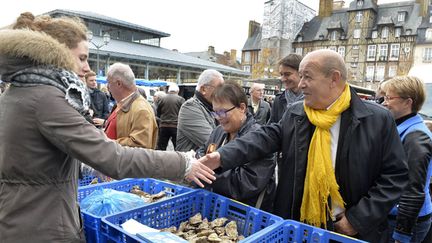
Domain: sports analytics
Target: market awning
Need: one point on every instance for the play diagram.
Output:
(139, 82)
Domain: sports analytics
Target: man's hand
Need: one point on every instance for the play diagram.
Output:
(211, 160)
(200, 172)
(343, 226)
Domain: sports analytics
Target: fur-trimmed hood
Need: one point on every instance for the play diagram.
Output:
(27, 46)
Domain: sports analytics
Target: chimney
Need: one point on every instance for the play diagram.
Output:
(253, 26)
(338, 4)
(234, 55)
(325, 8)
(211, 50)
(175, 50)
(423, 7)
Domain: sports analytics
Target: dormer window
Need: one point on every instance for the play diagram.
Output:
(398, 32)
(333, 35)
(321, 37)
(299, 38)
(428, 34)
(359, 3)
(359, 16)
(374, 34)
(401, 16)
(408, 32)
(384, 32)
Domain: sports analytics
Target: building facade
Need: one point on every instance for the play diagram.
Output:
(377, 41)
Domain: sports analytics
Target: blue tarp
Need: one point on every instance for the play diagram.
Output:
(139, 82)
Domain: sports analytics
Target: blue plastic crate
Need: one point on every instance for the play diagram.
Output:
(85, 181)
(92, 223)
(173, 211)
(293, 231)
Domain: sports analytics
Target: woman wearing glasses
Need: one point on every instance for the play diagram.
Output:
(252, 183)
(411, 219)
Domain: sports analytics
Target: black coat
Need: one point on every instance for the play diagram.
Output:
(99, 104)
(245, 182)
(278, 108)
(371, 167)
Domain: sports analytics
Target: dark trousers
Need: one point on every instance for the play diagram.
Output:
(165, 133)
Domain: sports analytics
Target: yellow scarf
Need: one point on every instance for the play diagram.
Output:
(320, 181)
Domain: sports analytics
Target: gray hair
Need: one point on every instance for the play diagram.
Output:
(159, 94)
(257, 86)
(207, 77)
(122, 72)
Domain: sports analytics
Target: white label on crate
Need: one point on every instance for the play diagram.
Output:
(133, 227)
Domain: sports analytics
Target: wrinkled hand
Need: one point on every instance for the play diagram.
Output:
(98, 121)
(343, 226)
(200, 172)
(211, 160)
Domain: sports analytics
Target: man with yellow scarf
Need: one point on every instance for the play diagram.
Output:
(343, 163)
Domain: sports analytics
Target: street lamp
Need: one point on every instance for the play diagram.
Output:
(106, 40)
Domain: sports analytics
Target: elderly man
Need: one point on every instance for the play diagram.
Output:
(288, 69)
(259, 108)
(132, 122)
(167, 110)
(195, 122)
(344, 166)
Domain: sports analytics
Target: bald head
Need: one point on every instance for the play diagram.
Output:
(323, 78)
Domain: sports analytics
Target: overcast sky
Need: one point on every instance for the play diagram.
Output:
(193, 24)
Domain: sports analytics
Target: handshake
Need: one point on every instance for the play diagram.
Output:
(201, 169)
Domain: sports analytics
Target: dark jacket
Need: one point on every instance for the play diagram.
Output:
(278, 108)
(415, 201)
(99, 104)
(168, 109)
(245, 182)
(263, 113)
(371, 167)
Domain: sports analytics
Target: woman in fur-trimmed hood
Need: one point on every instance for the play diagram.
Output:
(43, 128)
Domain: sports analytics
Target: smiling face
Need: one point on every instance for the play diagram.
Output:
(80, 54)
(289, 77)
(398, 105)
(232, 120)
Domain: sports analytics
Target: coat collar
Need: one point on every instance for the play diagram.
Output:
(128, 103)
(357, 106)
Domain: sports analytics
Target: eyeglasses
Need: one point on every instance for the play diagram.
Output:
(387, 98)
(221, 113)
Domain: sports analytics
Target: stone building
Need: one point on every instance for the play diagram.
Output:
(377, 41)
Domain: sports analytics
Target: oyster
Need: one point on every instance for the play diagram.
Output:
(205, 232)
(213, 237)
(218, 222)
(171, 229)
(220, 230)
(137, 191)
(196, 219)
(204, 225)
(231, 230)
(94, 181)
(156, 197)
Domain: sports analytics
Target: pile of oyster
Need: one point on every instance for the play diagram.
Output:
(149, 198)
(199, 230)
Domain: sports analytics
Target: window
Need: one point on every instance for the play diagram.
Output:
(394, 51)
(408, 32)
(333, 35)
(299, 38)
(247, 68)
(370, 73)
(341, 51)
(392, 71)
(380, 72)
(384, 32)
(355, 47)
(247, 57)
(359, 16)
(332, 48)
(374, 34)
(428, 34)
(401, 16)
(371, 53)
(359, 3)
(357, 33)
(382, 56)
(299, 51)
(398, 32)
(427, 55)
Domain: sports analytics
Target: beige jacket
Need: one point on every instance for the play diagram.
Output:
(136, 123)
(40, 134)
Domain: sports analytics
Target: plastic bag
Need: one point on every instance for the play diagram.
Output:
(104, 202)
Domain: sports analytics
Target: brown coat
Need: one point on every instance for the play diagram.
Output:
(40, 134)
(136, 123)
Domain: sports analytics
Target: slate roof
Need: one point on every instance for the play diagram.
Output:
(106, 19)
(253, 42)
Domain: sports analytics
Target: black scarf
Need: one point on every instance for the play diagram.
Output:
(201, 98)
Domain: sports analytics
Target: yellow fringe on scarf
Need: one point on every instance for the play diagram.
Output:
(320, 181)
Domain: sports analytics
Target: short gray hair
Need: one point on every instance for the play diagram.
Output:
(207, 76)
(257, 86)
(159, 94)
(122, 72)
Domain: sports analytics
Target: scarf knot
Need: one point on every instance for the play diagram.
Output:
(320, 181)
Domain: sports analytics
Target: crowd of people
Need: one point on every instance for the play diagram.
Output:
(319, 154)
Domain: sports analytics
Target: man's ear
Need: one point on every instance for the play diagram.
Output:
(336, 77)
